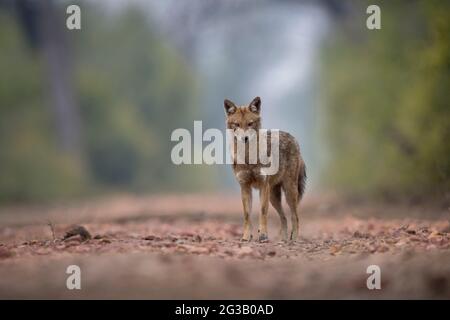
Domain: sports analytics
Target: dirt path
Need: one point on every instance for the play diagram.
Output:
(188, 247)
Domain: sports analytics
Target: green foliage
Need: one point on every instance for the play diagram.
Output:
(386, 102)
(31, 165)
(132, 90)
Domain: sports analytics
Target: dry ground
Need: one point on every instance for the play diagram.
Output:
(188, 247)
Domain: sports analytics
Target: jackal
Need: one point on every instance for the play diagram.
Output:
(244, 122)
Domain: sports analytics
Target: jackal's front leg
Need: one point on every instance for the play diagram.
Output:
(246, 194)
(264, 194)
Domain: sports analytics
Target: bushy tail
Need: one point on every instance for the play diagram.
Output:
(301, 181)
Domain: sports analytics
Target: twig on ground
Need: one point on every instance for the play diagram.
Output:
(50, 224)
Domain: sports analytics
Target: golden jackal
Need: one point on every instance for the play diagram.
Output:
(245, 123)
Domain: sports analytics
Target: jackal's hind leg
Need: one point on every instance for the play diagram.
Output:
(275, 200)
(291, 193)
(264, 193)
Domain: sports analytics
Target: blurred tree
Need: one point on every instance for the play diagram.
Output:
(132, 90)
(386, 101)
(31, 164)
(43, 25)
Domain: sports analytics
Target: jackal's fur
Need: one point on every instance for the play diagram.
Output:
(290, 177)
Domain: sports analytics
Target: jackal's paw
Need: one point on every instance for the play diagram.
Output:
(263, 237)
(293, 237)
(284, 236)
(246, 238)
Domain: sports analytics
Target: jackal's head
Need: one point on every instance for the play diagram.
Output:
(245, 121)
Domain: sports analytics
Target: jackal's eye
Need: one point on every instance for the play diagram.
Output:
(235, 125)
(250, 123)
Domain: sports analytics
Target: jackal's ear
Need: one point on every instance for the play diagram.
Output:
(230, 107)
(255, 105)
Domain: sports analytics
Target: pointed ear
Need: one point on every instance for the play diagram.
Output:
(255, 105)
(230, 107)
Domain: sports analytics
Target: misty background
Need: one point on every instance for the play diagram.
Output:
(91, 111)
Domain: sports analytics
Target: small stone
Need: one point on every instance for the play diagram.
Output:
(335, 249)
(78, 231)
(271, 253)
(244, 251)
(5, 253)
(357, 234)
(198, 250)
(401, 243)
